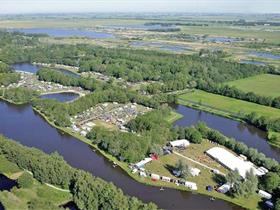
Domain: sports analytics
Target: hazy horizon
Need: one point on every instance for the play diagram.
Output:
(138, 6)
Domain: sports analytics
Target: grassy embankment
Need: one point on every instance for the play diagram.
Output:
(264, 84)
(226, 106)
(18, 198)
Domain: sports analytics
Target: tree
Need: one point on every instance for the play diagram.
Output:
(270, 181)
(277, 204)
(183, 169)
(233, 177)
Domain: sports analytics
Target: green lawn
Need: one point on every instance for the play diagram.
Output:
(265, 84)
(226, 104)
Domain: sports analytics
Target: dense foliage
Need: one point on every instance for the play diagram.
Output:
(50, 75)
(88, 192)
(19, 95)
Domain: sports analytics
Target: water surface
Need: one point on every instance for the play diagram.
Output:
(248, 134)
(62, 97)
(65, 32)
(6, 183)
(265, 55)
(162, 46)
(259, 63)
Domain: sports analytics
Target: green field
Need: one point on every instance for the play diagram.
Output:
(226, 104)
(265, 84)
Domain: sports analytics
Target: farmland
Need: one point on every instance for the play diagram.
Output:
(265, 85)
(226, 104)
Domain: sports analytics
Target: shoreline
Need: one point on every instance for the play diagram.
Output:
(223, 114)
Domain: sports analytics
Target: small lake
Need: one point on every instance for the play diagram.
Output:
(140, 26)
(62, 97)
(31, 68)
(259, 63)
(248, 134)
(161, 46)
(6, 183)
(221, 39)
(265, 55)
(33, 131)
(64, 32)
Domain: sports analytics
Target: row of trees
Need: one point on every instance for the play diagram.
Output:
(263, 122)
(50, 75)
(19, 95)
(233, 92)
(88, 192)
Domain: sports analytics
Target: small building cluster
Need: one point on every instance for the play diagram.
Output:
(29, 80)
(111, 113)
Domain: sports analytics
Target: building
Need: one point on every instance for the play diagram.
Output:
(232, 162)
(264, 194)
(143, 162)
(180, 143)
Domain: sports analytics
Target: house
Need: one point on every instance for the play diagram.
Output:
(180, 143)
(264, 194)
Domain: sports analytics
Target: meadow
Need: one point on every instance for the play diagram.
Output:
(226, 104)
(265, 85)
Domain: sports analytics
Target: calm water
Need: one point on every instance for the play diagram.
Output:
(250, 135)
(6, 183)
(62, 97)
(25, 126)
(265, 55)
(220, 39)
(259, 63)
(139, 26)
(65, 32)
(31, 68)
(162, 46)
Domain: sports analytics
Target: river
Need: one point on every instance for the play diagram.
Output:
(250, 135)
(22, 124)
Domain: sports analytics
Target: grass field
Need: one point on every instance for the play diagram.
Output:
(265, 84)
(227, 104)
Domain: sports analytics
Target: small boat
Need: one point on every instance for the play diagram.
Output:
(161, 189)
(212, 199)
(115, 164)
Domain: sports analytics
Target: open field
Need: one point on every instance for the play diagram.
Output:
(226, 104)
(265, 84)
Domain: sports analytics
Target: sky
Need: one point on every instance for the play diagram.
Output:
(196, 6)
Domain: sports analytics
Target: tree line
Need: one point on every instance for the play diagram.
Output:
(233, 92)
(88, 192)
(19, 95)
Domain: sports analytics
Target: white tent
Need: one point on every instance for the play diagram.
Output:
(232, 162)
(143, 162)
(180, 143)
(191, 185)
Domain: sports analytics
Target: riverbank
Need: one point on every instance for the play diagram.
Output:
(146, 181)
(227, 114)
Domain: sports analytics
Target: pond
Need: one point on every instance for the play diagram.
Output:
(31, 68)
(221, 39)
(6, 183)
(62, 97)
(162, 46)
(265, 55)
(65, 32)
(139, 26)
(33, 131)
(259, 63)
(248, 134)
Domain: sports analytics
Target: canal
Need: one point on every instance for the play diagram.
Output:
(22, 124)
